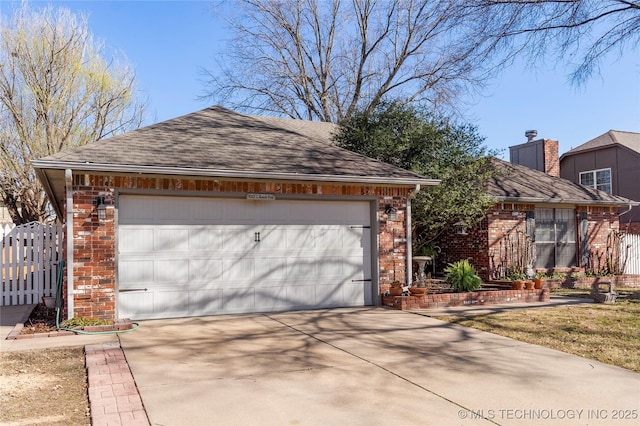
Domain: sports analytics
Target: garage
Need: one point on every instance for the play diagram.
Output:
(219, 212)
(189, 256)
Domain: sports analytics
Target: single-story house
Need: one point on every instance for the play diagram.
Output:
(219, 212)
(558, 224)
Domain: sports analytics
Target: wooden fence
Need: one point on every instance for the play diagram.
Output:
(29, 262)
(632, 241)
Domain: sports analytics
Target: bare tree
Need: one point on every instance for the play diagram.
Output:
(57, 92)
(579, 32)
(325, 59)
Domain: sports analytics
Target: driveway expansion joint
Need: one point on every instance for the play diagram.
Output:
(113, 396)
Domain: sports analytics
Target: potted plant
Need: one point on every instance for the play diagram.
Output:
(517, 281)
(396, 288)
(462, 276)
(538, 282)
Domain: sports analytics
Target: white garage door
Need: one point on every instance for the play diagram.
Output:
(180, 256)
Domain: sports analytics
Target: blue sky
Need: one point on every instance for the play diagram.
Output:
(168, 42)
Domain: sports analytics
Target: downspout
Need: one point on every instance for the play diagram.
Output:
(626, 211)
(69, 220)
(409, 265)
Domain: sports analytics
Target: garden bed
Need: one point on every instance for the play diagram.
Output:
(482, 297)
(41, 322)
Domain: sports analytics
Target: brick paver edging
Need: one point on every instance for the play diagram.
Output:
(113, 396)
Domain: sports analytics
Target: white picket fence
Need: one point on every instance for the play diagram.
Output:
(633, 257)
(29, 262)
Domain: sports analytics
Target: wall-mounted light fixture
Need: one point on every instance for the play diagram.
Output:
(390, 212)
(101, 208)
(460, 228)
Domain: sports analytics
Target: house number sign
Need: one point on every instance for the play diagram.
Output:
(269, 197)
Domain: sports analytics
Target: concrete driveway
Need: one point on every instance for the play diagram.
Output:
(364, 366)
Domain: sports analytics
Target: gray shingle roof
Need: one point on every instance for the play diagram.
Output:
(519, 183)
(630, 140)
(217, 139)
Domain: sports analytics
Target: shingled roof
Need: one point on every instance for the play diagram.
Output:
(219, 142)
(630, 140)
(516, 183)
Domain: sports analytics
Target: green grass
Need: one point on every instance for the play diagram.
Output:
(606, 333)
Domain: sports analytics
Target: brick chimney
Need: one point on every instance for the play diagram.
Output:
(537, 154)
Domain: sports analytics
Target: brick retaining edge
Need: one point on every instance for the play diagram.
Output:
(488, 297)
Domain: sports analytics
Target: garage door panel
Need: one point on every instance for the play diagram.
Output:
(204, 256)
(329, 295)
(135, 305)
(135, 271)
(170, 303)
(171, 240)
(170, 270)
(328, 267)
(328, 238)
(135, 240)
(299, 238)
(203, 238)
(271, 298)
(355, 268)
(203, 302)
(300, 296)
(357, 293)
(301, 268)
(239, 299)
(205, 269)
(239, 239)
(270, 268)
(241, 269)
(356, 237)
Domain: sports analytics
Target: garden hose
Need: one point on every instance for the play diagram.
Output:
(59, 303)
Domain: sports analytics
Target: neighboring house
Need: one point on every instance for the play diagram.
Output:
(560, 224)
(611, 163)
(219, 212)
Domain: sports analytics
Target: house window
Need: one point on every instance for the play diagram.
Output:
(555, 238)
(598, 179)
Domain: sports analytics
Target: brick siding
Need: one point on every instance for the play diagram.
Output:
(551, 161)
(94, 252)
(484, 245)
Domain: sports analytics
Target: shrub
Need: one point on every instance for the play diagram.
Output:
(462, 276)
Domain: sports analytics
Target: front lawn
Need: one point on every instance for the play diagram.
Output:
(606, 333)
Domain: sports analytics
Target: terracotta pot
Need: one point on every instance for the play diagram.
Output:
(395, 291)
(396, 285)
(529, 285)
(518, 284)
(538, 283)
(417, 290)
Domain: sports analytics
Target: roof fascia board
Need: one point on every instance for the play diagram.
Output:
(172, 171)
(531, 200)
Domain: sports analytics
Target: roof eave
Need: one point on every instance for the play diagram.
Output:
(234, 174)
(533, 200)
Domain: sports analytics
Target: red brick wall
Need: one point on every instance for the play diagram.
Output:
(602, 221)
(94, 254)
(551, 159)
(485, 245)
